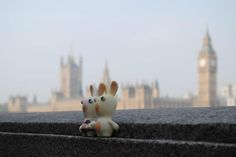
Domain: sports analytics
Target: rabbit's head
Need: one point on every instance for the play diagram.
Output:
(89, 104)
(106, 100)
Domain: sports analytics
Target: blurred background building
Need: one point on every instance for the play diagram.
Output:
(134, 95)
(207, 74)
(228, 95)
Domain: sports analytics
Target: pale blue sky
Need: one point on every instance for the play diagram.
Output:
(142, 40)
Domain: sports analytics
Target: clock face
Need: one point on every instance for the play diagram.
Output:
(202, 62)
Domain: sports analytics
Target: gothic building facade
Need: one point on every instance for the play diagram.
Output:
(145, 95)
(70, 80)
(132, 96)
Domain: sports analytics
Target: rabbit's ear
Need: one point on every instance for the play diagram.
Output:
(114, 88)
(91, 90)
(101, 89)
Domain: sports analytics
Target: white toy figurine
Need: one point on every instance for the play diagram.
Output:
(89, 113)
(105, 108)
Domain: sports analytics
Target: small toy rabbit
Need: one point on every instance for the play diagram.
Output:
(89, 113)
(105, 108)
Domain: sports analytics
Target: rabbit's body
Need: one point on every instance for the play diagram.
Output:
(105, 107)
(105, 126)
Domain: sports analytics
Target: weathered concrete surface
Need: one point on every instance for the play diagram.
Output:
(24, 145)
(197, 124)
(145, 116)
(159, 132)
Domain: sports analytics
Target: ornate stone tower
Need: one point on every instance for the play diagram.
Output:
(155, 89)
(71, 78)
(106, 75)
(207, 71)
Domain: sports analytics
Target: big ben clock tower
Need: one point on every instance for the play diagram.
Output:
(207, 71)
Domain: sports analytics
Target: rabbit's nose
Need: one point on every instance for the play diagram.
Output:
(96, 108)
(84, 108)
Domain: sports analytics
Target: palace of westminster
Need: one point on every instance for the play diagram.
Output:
(133, 96)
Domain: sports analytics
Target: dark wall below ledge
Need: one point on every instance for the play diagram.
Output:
(214, 125)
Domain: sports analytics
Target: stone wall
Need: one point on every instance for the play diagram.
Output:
(148, 132)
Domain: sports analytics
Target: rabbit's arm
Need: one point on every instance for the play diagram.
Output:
(93, 124)
(114, 125)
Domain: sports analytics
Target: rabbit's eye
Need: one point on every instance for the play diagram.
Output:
(82, 102)
(87, 121)
(103, 98)
(95, 100)
(90, 101)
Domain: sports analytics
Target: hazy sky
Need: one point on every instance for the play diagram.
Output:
(142, 40)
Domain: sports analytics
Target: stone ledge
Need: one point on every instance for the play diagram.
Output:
(163, 132)
(143, 116)
(197, 124)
